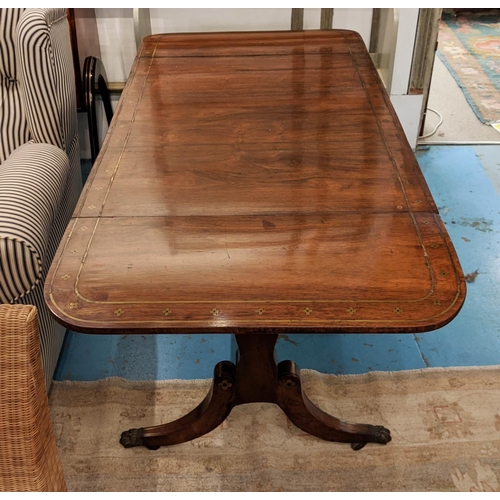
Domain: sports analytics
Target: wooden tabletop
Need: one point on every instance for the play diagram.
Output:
(255, 182)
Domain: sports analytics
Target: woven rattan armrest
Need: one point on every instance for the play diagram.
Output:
(28, 451)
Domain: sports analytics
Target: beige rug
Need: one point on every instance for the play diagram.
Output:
(445, 425)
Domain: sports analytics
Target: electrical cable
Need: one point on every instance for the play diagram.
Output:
(436, 127)
(459, 143)
(450, 143)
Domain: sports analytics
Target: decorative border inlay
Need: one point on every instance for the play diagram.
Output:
(238, 312)
(326, 312)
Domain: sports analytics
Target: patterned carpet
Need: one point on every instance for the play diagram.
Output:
(469, 46)
(445, 427)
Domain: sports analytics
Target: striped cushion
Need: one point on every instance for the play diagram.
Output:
(47, 76)
(8, 24)
(43, 101)
(13, 126)
(31, 186)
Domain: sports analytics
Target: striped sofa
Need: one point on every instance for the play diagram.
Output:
(40, 174)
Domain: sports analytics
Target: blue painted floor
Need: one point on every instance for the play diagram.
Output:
(465, 183)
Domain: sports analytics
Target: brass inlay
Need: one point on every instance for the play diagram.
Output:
(388, 147)
(65, 277)
(308, 311)
(425, 222)
(399, 207)
(73, 305)
(75, 250)
(167, 311)
(351, 310)
(98, 188)
(91, 207)
(119, 311)
(444, 274)
(260, 311)
(435, 245)
(417, 202)
(436, 302)
(83, 228)
(398, 310)
(215, 311)
(225, 385)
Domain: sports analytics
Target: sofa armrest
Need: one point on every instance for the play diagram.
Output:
(32, 181)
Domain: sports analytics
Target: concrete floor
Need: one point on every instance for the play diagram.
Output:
(459, 121)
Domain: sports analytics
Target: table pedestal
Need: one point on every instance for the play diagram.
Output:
(255, 378)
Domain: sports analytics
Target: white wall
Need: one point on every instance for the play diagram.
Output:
(117, 39)
(359, 20)
(118, 47)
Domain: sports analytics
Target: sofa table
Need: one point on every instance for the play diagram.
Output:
(255, 184)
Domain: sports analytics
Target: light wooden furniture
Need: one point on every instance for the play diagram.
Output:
(255, 184)
(28, 451)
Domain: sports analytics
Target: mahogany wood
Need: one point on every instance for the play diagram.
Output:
(255, 184)
(255, 378)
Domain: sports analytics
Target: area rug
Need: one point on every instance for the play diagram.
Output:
(445, 426)
(469, 46)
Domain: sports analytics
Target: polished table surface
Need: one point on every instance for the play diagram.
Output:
(255, 183)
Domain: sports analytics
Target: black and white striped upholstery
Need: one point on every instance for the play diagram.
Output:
(32, 180)
(38, 105)
(13, 125)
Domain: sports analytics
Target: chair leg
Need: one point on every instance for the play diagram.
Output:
(94, 83)
(106, 98)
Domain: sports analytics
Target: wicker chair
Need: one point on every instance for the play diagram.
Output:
(28, 452)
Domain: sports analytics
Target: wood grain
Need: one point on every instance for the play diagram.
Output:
(255, 183)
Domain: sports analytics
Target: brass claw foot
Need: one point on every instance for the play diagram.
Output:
(381, 434)
(132, 437)
(378, 434)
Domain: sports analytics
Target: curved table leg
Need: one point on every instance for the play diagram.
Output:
(256, 378)
(208, 415)
(308, 417)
